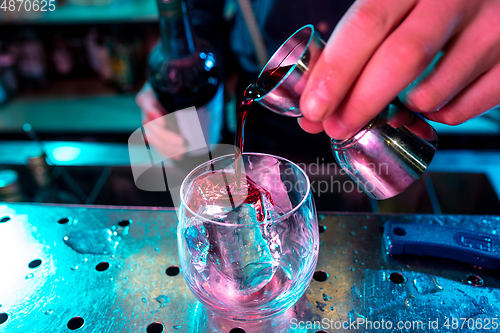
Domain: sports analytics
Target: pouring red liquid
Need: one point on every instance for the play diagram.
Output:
(217, 185)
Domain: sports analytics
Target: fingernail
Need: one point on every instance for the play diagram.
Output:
(315, 105)
(339, 131)
(406, 97)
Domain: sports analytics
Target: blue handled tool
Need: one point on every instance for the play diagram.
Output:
(447, 242)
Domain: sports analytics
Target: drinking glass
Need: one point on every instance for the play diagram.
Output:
(239, 266)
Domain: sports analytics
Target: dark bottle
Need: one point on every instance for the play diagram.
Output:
(184, 70)
(48, 190)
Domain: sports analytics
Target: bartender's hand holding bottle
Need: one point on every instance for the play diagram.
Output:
(384, 48)
(162, 135)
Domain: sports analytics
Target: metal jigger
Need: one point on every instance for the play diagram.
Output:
(301, 51)
(383, 158)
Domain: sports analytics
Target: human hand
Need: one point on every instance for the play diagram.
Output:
(161, 133)
(380, 49)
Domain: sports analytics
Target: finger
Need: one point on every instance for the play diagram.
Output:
(401, 58)
(310, 126)
(148, 103)
(143, 98)
(165, 143)
(471, 53)
(168, 151)
(359, 33)
(171, 138)
(482, 95)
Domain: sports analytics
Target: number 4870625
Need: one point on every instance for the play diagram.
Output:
(28, 5)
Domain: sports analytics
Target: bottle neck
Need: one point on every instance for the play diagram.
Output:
(176, 36)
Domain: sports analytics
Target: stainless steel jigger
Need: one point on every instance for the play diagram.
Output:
(383, 158)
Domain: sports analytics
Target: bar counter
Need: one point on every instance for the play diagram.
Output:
(98, 269)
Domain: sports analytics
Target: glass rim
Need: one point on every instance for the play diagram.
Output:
(310, 38)
(283, 217)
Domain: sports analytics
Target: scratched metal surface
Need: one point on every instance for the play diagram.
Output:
(135, 290)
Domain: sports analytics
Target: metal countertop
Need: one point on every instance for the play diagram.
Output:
(140, 286)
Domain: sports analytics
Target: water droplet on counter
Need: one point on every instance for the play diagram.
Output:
(144, 300)
(74, 268)
(157, 249)
(49, 312)
(354, 315)
(177, 327)
(162, 300)
(100, 241)
(332, 308)
(355, 291)
(29, 276)
(315, 317)
(326, 297)
(320, 306)
(408, 300)
(426, 284)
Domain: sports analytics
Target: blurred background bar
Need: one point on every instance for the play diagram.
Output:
(73, 74)
(86, 11)
(113, 113)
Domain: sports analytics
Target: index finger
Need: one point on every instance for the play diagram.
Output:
(357, 36)
(149, 104)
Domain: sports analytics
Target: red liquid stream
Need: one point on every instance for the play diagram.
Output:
(216, 186)
(267, 81)
(213, 188)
